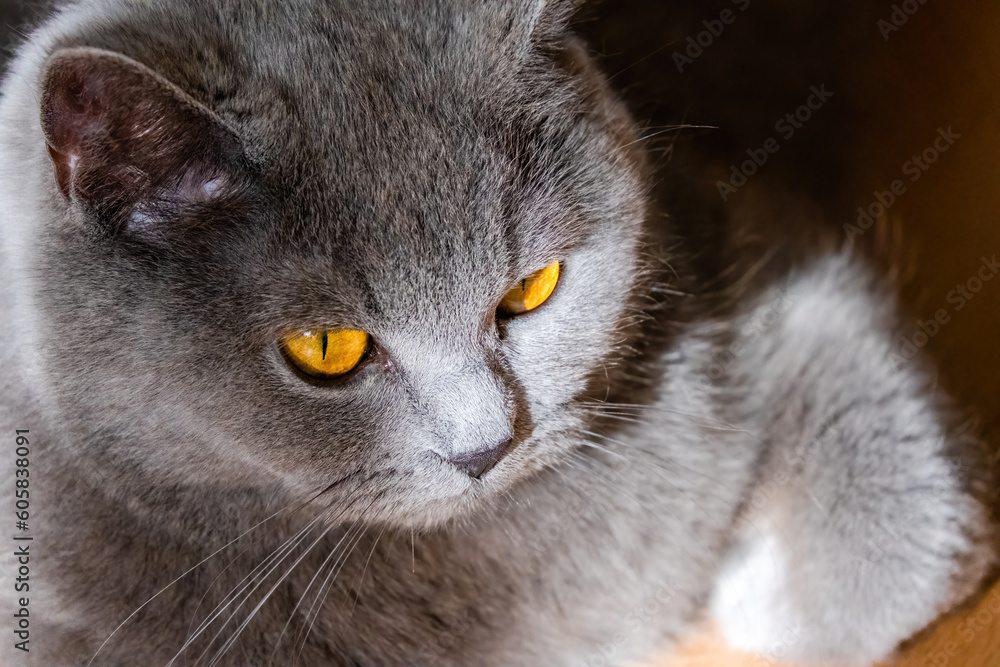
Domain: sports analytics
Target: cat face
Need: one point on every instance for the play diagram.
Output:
(217, 219)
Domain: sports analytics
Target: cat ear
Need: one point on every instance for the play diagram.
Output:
(129, 147)
(551, 16)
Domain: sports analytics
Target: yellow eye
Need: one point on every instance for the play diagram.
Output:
(531, 292)
(326, 354)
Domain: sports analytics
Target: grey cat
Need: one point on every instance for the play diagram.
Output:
(350, 333)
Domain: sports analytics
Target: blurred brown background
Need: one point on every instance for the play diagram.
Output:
(892, 91)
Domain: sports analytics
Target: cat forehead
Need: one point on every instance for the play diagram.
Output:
(397, 106)
(408, 109)
(319, 45)
(422, 199)
(425, 146)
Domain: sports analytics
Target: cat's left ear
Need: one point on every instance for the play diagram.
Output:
(129, 148)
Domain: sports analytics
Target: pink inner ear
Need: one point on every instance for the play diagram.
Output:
(65, 165)
(128, 145)
(71, 111)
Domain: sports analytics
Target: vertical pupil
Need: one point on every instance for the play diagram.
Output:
(324, 346)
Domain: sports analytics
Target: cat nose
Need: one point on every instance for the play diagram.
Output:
(477, 464)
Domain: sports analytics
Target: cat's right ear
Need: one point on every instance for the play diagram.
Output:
(549, 18)
(128, 147)
(536, 22)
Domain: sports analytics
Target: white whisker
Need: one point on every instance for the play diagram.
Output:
(187, 572)
(232, 639)
(330, 579)
(278, 555)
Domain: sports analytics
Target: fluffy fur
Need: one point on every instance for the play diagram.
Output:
(185, 182)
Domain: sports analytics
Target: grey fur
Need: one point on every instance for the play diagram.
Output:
(396, 170)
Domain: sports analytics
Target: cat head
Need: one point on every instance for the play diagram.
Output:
(375, 250)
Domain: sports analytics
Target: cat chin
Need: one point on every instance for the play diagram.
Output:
(421, 514)
(444, 502)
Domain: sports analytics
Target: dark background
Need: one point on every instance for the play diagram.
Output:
(940, 69)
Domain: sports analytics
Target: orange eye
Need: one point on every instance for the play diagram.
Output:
(326, 354)
(531, 292)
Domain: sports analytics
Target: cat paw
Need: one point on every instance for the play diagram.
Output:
(847, 608)
(748, 601)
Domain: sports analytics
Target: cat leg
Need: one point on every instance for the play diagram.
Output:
(866, 523)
